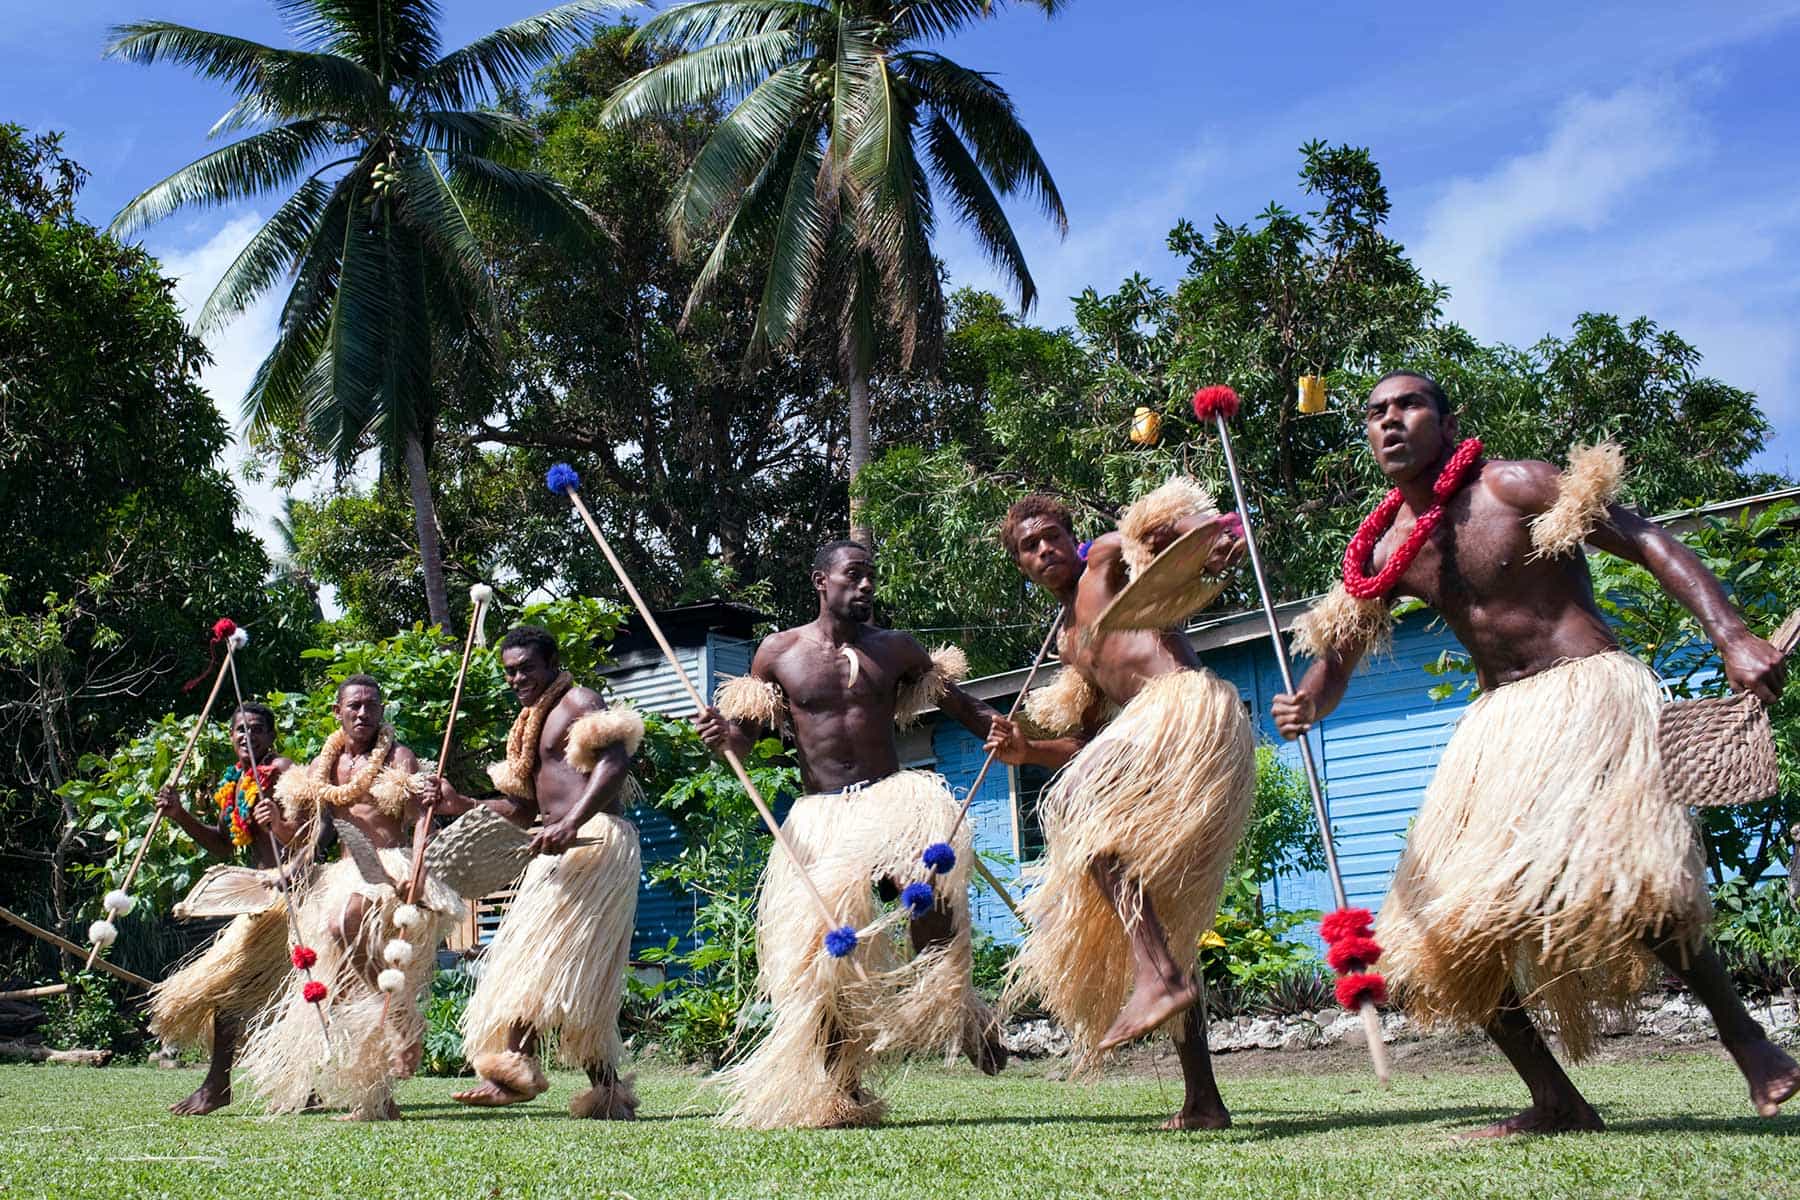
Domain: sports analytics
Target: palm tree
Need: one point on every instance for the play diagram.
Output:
(818, 164)
(389, 169)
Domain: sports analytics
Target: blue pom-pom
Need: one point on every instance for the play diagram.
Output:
(1081, 551)
(918, 898)
(840, 941)
(561, 477)
(940, 857)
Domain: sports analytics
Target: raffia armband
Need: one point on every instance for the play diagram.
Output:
(1060, 707)
(1341, 622)
(588, 738)
(1586, 488)
(948, 665)
(1179, 497)
(747, 698)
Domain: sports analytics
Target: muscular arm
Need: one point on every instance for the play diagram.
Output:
(215, 840)
(600, 795)
(1319, 692)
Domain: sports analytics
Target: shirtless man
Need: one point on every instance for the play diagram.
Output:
(369, 783)
(1141, 826)
(1546, 866)
(207, 1002)
(841, 684)
(559, 959)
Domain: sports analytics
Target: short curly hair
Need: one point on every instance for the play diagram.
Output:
(1031, 508)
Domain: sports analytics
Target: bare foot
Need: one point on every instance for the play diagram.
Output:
(1199, 1119)
(1146, 1009)
(985, 1049)
(387, 1112)
(490, 1095)
(205, 1098)
(1773, 1076)
(1540, 1120)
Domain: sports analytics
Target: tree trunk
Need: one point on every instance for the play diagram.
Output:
(859, 447)
(431, 551)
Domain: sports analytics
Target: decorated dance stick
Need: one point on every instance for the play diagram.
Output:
(119, 902)
(1347, 931)
(300, 954)
(940, 857)
(65, 945)
(562, 479)
(399, 952)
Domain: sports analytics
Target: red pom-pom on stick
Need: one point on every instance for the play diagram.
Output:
(314, 991)
(223, 628)
(1346, 922)
(1353, 953)
(304, 957)
(1352, 990)
(1215, 401)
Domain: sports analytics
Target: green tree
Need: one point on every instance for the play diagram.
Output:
(119, 541)
(389, 168)
(841, 122)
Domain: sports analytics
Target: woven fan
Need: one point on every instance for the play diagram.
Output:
(228, 891)
(1169, 590)
(1721, 750)
(480, 852)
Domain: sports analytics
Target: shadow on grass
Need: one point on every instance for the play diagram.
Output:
(449, 1110)
(1250, 1123)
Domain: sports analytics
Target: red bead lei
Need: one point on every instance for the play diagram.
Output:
(1362, 546)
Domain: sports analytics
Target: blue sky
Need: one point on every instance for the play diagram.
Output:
(1544, 158)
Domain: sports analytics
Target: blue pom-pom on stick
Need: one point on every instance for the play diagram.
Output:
(561, 478)
(918, 899)
(840, 941)
(940, 857)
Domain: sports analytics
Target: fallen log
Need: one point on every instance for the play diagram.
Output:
(21, 1052)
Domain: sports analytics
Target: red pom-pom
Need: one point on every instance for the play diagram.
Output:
(1215, 401)
(304, 957)
(1352, 990)
(1352, 953)
(223, 628)
(314, 991)
(1346, 922)
(1232, 524)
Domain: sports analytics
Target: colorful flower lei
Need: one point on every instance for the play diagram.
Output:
(236, 797)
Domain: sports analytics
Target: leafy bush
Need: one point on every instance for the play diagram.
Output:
(91, 1015)
(1757, 932)
(450, 992)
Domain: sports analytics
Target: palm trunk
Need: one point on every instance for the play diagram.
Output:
(431, 551)
(859, 447)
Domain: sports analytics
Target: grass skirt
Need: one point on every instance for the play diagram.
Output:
(286, 1055)
(559, 958)
(232, 976)
(828, 1024)
(1165, 790)
(1544, 851)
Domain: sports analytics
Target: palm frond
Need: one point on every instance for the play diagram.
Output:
(508, 56)
(244, 169)
(984, 115)
(433, 212)
(363, 320)
(393, 39)
(270, 83)
(525, 200)
(977, 205)
(266, 257)
(736, 151)
(279, 392)
(687, 27)
(934, 20)
(487, 132)
(795, 255)
(723, 71)
(752, 217)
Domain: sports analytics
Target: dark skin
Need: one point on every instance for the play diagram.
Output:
(1119, 665)
(844, 728)
(1517, 616)
(254, 741)
(565, 801)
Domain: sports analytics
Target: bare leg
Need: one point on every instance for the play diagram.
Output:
(982, 1047)
(493, 1093)
(1556, 1105)
(1201, 1105)
(1773, 1076)
(1159, 988)
(608, 1098)
(214, 1091)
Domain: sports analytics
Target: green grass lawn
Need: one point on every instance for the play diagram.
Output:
(1680, 1127)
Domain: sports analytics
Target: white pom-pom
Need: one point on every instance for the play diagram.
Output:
(240, 639)
(391, 980)
(103, 933)
(398, 952)
(118, 903)
(408, 917)
(481, 593)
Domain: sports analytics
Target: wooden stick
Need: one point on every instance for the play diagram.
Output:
(1371, 1019)
(422, 830)
(1018, 702)
(737, 767)
(54, 989)
(63, 943)
(174, 780)
(981, 869)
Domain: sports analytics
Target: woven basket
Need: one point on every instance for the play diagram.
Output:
(1721, 750)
